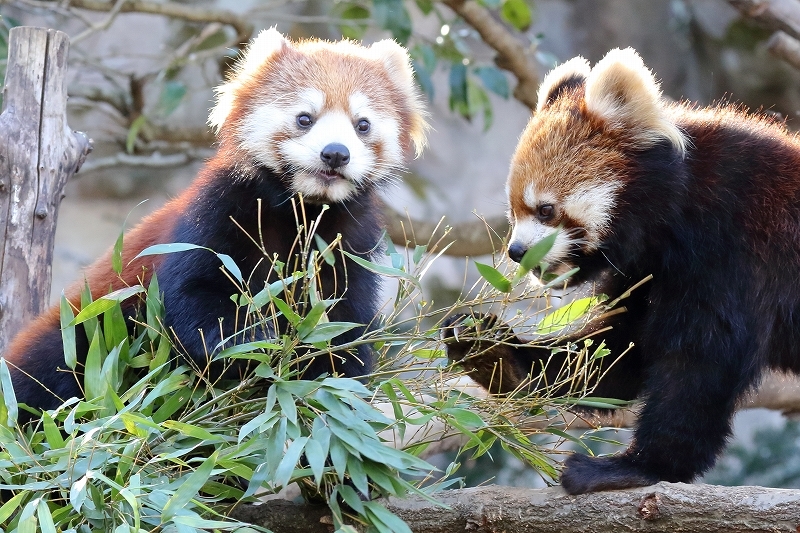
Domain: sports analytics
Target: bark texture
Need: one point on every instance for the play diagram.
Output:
(38, 154)
(665, 507)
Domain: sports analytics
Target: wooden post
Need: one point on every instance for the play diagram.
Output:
(38, 154)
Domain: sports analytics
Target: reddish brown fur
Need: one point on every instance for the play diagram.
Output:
(155, 228)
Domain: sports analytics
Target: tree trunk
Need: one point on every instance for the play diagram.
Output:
(38, 154)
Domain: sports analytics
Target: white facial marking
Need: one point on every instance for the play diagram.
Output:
(382, 127)
(533, 199)
(527, 231)
(300, 149)
(303, 152)
(264, 123)
(591, 205)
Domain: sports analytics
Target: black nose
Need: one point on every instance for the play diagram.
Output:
(335, 155)
(516, 251)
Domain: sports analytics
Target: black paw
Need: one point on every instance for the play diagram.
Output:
(463, 334)
(583, 474)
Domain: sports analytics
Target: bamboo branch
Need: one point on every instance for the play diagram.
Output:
(783, 15)
(512, 55)
(784, 46)
(189, 12)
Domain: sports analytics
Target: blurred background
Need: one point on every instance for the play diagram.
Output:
(142, 73)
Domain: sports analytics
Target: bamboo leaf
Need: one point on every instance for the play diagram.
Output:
(494, 277)
(169, 248)
(189, 489)
(8, 394)
(68, 333)
(566, 315)
(536, 253)
(104, 303)
(286, 467)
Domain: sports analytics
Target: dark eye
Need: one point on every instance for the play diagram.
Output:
(304, 121)
(546, 212)
(363, 126)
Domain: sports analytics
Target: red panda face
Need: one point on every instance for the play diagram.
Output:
(334, 118)
(572, 163)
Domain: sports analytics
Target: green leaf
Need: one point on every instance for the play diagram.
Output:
(477, 101)
(173, 247)
(561, 279)
(92, 382)
(286, 467)
(419, 252)
(327, 253)
(357, 17)
(171, 96)
(287, 403)
(133, 132)
(328, 331)
(116, 255)
(192, 431)
(494, 80)
(68, 333)
(426, 6)
(46, 524)
(306, 326)
(293, 318)
(189, 489)
(458, 89)
(351, 498)
(104, 303)
(393, 16)
(154, 310)
(272, 290)
(566, 315)
(9, 397)
(426, 353)
(231, 266)
(52, 433)
(465, 417)
(517, 13)
(391, 522)
(494, 277)
(316, 459)
(536, 253)
(380, 269)
(12, 505)
(423, 77)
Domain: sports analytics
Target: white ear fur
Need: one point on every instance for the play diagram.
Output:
(259, 51)
(397, 63)
(621, 89)
(575, 67)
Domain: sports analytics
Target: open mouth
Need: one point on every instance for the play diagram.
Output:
(328, 176)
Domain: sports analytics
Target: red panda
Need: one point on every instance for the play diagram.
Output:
(707, 201)
(330, 121)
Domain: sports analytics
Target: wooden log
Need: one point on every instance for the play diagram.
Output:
(38, 154)
(661, 508)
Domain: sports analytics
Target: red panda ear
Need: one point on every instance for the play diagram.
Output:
(397, 64)
(623, 91)
(561, 79)
(267, 44)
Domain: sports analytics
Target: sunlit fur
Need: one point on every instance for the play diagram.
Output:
(251, 191)
(337, 85)
(707, 202)
(561, 159)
